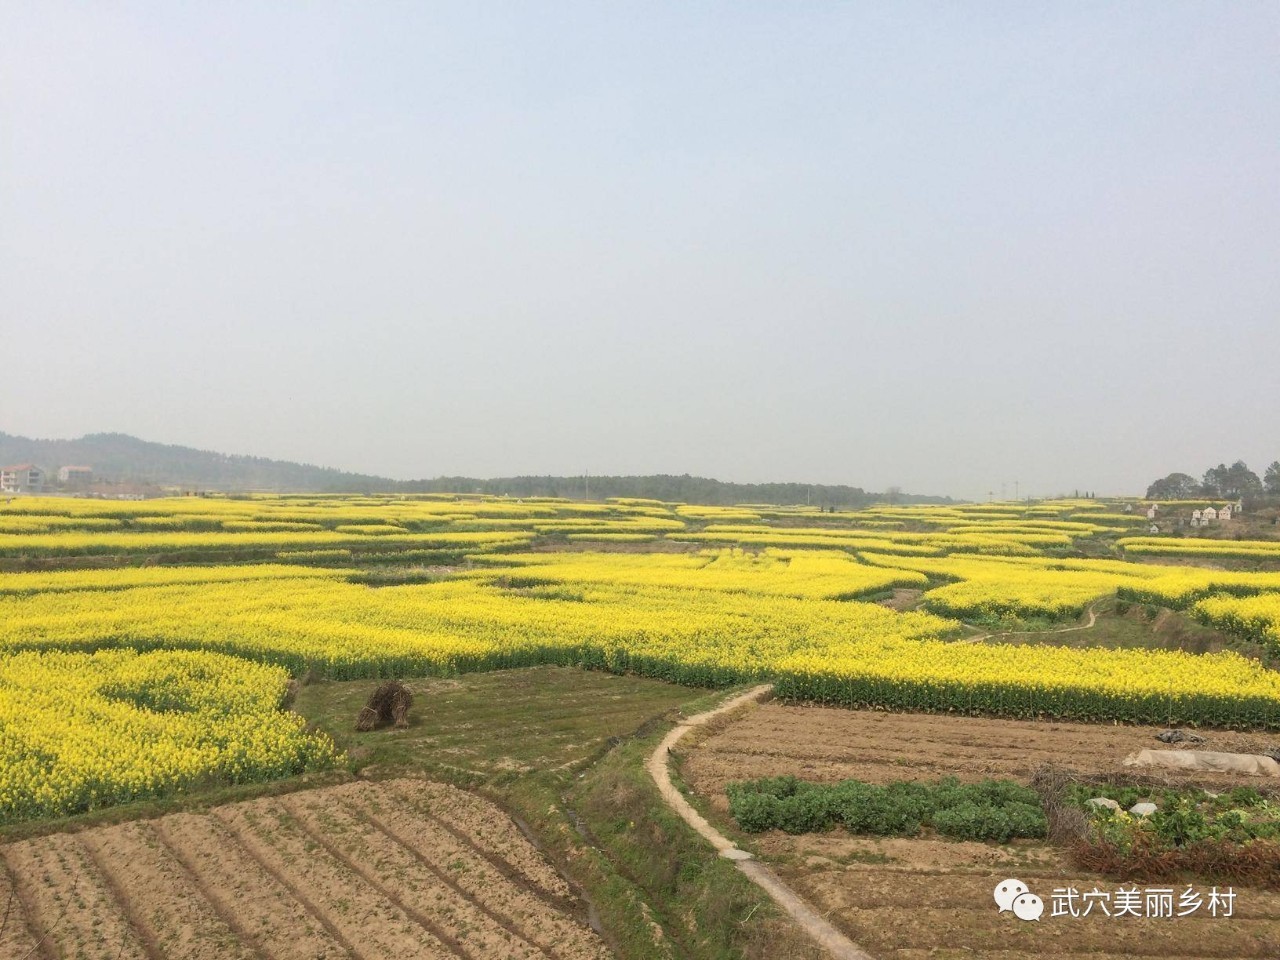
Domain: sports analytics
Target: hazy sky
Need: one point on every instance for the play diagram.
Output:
(941, 246)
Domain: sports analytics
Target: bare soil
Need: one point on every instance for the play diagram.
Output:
(828, 744)
(932, 897)
(404, 868)
(904, 598)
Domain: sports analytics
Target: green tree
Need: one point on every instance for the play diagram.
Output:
(1272, 477)
(1214, 478)
(1241, 481)
(1176, 486)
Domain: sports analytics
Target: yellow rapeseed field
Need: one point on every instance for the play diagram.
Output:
(146, 646)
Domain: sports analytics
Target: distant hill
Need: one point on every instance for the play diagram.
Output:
(120, 457)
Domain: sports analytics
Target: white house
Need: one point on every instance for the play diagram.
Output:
(1151, 512)
(1209, 514)
(1225, 513)
(1195, 521)
(1239, 506)
(75, 476)
(1195, 515)
(1153, 528)
(21, 478)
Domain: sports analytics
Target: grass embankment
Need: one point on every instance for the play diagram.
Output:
(1120, 625)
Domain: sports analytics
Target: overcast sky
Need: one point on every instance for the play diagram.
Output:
(938, 246)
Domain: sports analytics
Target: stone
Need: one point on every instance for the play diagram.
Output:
(1099, 803)
(1143, 809)
(1179, 736)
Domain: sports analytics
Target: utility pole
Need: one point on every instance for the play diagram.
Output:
(586, 485)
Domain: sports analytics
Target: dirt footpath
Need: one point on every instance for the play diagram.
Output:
(916, 898)
(404, 869)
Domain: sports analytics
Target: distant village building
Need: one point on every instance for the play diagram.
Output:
(1151, 512)
(1128, 508)
(1209, 514)
(1225, 513)
(75, 476)
(21, 478)
(1239, 506)
(1196, 516)
(1154, 528)
(1195, 521)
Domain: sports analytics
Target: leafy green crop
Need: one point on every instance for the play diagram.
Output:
(991, 810)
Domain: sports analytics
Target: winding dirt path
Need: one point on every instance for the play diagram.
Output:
(818, 928)
(1093, 619)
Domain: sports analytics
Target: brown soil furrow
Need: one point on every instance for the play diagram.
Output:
(466, 925)
(167, 908)
(470, 894)
(70, 902)
(142, 933)
(1051, 952)
(778, 723)
(20, 937)
(883, 931)
(237, 843)
(363, 913)
(879, 889)
(521, 913)
(889, 749)
(571, 906)
(486, 826)
(242, 900)
(248, 939)
(827, 744)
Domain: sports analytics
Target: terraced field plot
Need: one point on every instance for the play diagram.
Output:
(402, 868)
(826, 744)
(906, 898)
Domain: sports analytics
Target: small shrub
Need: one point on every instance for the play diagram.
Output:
(805, 812)
(972, 821)
(755, 812)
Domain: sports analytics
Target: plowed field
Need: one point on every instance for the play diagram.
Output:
(402, 868)
(927, 897)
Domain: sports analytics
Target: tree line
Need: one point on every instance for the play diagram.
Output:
(120, 457)
(1221, 482)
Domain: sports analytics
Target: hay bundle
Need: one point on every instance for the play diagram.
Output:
(389, 703)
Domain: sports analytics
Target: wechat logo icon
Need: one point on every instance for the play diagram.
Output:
(1014, 895)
